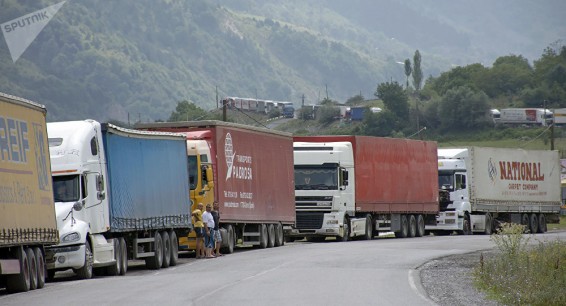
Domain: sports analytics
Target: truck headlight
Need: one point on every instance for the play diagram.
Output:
(332, 222)
(71, 237)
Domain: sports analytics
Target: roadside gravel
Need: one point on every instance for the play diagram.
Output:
(448, 280)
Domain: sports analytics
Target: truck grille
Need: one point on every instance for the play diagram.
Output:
(314, 203)
(309, 219)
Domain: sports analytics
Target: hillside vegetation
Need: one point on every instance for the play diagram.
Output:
(138, 59)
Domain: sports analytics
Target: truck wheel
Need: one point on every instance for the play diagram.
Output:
(174, 248)
(124, 256)
(40, 267)
(114, 269)
(346, 233)
(32, 268)
(85, 272)
(488, 224)
(166, 249)
(533, 223)
(279, 236)
(20, 282)
(271, 235)
(156, 261)
(404, 232)
(542, 223)
(467, 226)
(420, 226)
(230, 240)
(525, 222)
(263, 239)
(369, 228)
(412, 226)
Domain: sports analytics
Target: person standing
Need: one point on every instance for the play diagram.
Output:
(208, 221)
(217, 236)
(199, 230)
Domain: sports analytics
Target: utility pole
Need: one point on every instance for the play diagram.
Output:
(303, 107)
(224, 110)
(216, 96)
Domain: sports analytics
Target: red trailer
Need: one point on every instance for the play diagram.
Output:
(252, 174)
(380, 184)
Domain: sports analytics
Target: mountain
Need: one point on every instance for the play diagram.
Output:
(134, 60)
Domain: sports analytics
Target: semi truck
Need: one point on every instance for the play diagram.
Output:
(251, 178)
(358, 186)
(119, 194)
(518, 116)
(491, 185)
(27, 212)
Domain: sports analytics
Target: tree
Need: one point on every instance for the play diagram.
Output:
(394, 98)
(462, 108)
(379, 124)
(417, 71)
(355, 100)
(327, 114)
(408, 71)
(187, 111)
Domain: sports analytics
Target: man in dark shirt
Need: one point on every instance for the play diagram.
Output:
(217, 237)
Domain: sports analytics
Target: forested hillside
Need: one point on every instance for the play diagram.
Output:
(138, 59)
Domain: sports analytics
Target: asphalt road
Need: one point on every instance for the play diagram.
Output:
(378, 272)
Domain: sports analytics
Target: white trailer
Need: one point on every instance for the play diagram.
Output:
(491, 185)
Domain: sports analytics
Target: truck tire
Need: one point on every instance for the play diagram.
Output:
(85, 272)
(20, 282)
(412, 226)
(114, 269)
(32, 268)
(525, 221)
(542, 223)
(230, 240)
(467, 226)
(488, 224)
(279, 236)
(346, 234)
(124, 256)
(420, 226)
(166, 249)
(404, 232)
(533, 223)
(271, 235)
(156, 260)
(174, 248)
(263, 238)
(369, 228)
(39, 259)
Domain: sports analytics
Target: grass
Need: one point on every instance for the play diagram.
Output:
(523, 275)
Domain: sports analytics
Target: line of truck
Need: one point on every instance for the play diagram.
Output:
(106, 194)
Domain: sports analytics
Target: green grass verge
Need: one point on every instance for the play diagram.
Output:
(521, 274)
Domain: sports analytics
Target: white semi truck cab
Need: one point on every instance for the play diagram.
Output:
(324, 192)
(81, 202)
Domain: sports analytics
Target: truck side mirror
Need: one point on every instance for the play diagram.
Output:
(209, 177)
(344, 177)
(99, 182)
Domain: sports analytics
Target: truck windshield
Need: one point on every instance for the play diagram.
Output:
(193, 172)
(446, 180)
(66, 188)
(309, 178)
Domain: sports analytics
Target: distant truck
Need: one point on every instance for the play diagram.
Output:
(491, 185)
(520, 116)
(359, 186)
(253, 178)
(120, 194)
(27, 212)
